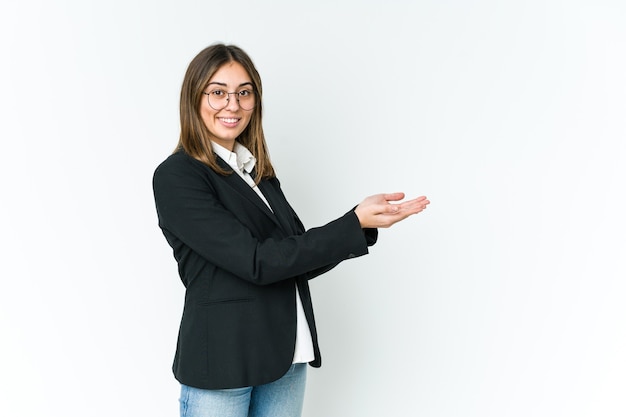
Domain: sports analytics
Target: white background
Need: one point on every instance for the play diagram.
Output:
(505, 298)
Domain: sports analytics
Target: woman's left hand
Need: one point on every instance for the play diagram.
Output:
(377, 211)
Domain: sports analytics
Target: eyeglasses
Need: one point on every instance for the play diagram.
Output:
(219, 99)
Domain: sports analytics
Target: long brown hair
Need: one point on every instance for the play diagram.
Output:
(194, 135)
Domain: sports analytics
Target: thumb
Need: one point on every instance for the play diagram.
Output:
(393, 196)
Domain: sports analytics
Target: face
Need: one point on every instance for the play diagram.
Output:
(226, 125)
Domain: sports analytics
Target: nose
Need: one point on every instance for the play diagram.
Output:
(232, 103)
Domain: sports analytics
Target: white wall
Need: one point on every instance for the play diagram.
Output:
(505, 298)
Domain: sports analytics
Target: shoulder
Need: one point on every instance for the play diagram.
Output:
(178, 161)
(273, 181)
(180, 164)
(180, 169)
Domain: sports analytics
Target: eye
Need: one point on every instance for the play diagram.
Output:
(218, 93)
(245, 93)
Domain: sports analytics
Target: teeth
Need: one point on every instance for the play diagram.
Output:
(225, 120)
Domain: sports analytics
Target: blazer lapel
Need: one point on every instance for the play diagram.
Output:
(279, 205)
(240, 186)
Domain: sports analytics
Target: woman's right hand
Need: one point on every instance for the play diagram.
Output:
(376, 211)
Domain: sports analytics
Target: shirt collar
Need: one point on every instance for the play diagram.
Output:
(241, 159)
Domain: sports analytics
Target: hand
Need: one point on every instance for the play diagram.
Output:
(377, 211)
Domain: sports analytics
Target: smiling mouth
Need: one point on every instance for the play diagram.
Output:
(229, 119)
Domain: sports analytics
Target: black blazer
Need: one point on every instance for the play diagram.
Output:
(240, 263)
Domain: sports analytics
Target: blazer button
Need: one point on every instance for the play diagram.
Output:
(351, 255)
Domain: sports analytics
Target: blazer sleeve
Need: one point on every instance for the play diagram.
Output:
(371, 236)
(189, 208)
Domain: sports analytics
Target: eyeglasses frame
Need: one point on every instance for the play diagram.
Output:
(228, 99)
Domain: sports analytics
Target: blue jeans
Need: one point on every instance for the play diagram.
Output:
(281, 398)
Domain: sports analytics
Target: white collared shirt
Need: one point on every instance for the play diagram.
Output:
(242, 162)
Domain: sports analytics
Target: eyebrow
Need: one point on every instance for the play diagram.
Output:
(224, 84)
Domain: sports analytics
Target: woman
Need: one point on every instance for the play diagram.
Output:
(247, 330)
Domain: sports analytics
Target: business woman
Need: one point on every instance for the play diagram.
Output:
(247, 329)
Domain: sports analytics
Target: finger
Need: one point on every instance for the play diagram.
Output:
(413, 206)
(390, 209)
(393, 196)
(420, 201)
